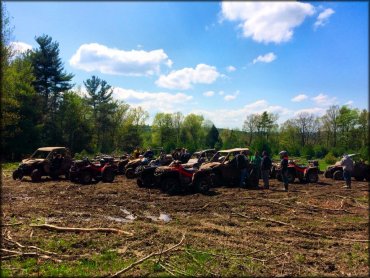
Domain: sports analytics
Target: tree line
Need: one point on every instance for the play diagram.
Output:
(42, 107)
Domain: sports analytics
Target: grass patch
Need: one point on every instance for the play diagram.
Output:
(9, 166)
(351, 219)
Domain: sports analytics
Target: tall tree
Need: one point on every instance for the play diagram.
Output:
(330, 121)
(101, 101)
(212, 137)
(50, 78)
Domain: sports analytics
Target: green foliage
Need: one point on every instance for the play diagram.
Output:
(330, 158)
(308, 152)
(261, 145)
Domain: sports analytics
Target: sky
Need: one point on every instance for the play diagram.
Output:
(223, 60)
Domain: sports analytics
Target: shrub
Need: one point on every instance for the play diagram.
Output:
(330, 158)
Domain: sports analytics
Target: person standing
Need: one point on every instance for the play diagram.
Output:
(284, 168)
(256, 162)
(347, 164)
(242, 165)
(266, 164)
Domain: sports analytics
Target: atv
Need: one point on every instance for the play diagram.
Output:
(145, 173)
(84, 171)
(309, 174)
(47, 161)
(361, 170)
(224, 167)
(174, 179)
(198, 158)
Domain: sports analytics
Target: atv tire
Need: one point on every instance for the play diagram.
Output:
(328, 174)
(312, 177)
(130, 173)
(338, 175)
(85, 177)
(202, 185)
(108, 175)
(36, 175)
(171, 186)
(359, 178)
(17, 174)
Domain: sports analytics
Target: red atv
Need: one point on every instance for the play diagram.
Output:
(304, 173)
(84, 171)
(175, 178)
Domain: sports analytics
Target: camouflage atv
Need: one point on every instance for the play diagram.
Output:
(224, 168)
(47, 161)
(200, 157)
(360, 171)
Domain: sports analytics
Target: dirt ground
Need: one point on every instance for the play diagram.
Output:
(314, 229)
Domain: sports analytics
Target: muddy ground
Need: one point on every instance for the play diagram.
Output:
(314, 229)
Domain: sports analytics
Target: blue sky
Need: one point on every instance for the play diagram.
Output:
(223, 60)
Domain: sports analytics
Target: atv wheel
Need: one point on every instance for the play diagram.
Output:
(359, 178)
(170, 186)
(202, 185)
(139, 183)
(130, 173)
(54, 177)
(328, 174)
(108, 175)
(36, 175)
(85, 177)
(121, 169)
(338, 175)
(312, 177)
(17, 174)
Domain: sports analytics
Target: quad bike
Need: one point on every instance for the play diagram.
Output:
(84, 171)
(175, 178)
(47, 161)
(223, 167)
(132, 165)
(360, 171)
(309, 174)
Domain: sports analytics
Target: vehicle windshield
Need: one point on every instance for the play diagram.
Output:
(218, 155)
(195, 156)
(40, 154)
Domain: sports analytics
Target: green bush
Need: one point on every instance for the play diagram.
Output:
(308, 152)
(330, 158)
(320, 151)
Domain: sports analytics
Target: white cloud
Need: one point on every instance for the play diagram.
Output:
(323, 18)
(153, 102)
(299, 98)
(267, 58)
(231, 97)
(20, 47)
(97, 57)
(209, 93)
(350, 102)
(324, 100)
(184, 79)
(267, 21)
(231, 68)
(233, 118)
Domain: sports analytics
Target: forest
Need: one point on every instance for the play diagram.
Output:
(41, 106)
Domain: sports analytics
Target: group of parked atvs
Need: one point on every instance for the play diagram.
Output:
(205, 169)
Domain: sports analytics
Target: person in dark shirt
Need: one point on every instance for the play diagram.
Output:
(149, 154)
(266, 164)
(242, 165)
(284, 168)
